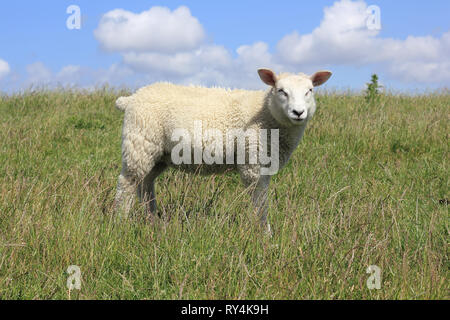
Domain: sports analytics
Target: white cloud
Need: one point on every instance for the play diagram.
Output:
(69, 71)
(343, 38)
(207, 65)
(181, 63)
(4, 68)
(169, 45)
(253, 56)
(38, 74)
(417, 59)
(157, 29)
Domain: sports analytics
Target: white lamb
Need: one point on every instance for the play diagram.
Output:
(155, 112)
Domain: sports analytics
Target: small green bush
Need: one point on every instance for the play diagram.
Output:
(373, 90)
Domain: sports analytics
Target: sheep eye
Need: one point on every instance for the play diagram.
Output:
(309, 91)
(281, 91)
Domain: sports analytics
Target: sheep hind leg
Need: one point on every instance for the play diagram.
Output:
(146, 189)
(126, 190)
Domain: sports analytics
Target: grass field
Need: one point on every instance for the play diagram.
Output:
(368, 185)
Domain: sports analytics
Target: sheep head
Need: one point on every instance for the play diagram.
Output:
(291, 99)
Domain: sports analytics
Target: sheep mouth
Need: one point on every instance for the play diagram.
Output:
(295, 119)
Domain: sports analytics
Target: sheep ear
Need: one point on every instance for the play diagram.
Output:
(267, 76)
(320, 77)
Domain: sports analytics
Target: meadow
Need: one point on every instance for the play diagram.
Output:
(368, 185)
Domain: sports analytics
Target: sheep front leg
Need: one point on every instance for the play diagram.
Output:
(126, 190)
(259, 199)
(251, 177)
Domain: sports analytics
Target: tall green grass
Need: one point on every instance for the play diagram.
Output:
(368, 185)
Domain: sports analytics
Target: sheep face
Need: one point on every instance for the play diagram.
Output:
(292, 97)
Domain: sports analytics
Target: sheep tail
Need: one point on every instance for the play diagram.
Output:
(122, 103)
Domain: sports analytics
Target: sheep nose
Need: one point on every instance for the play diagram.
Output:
(298, 113)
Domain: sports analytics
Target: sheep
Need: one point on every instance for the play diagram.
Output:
(155, 112)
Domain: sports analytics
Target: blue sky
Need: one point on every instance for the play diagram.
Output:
(230, 40)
